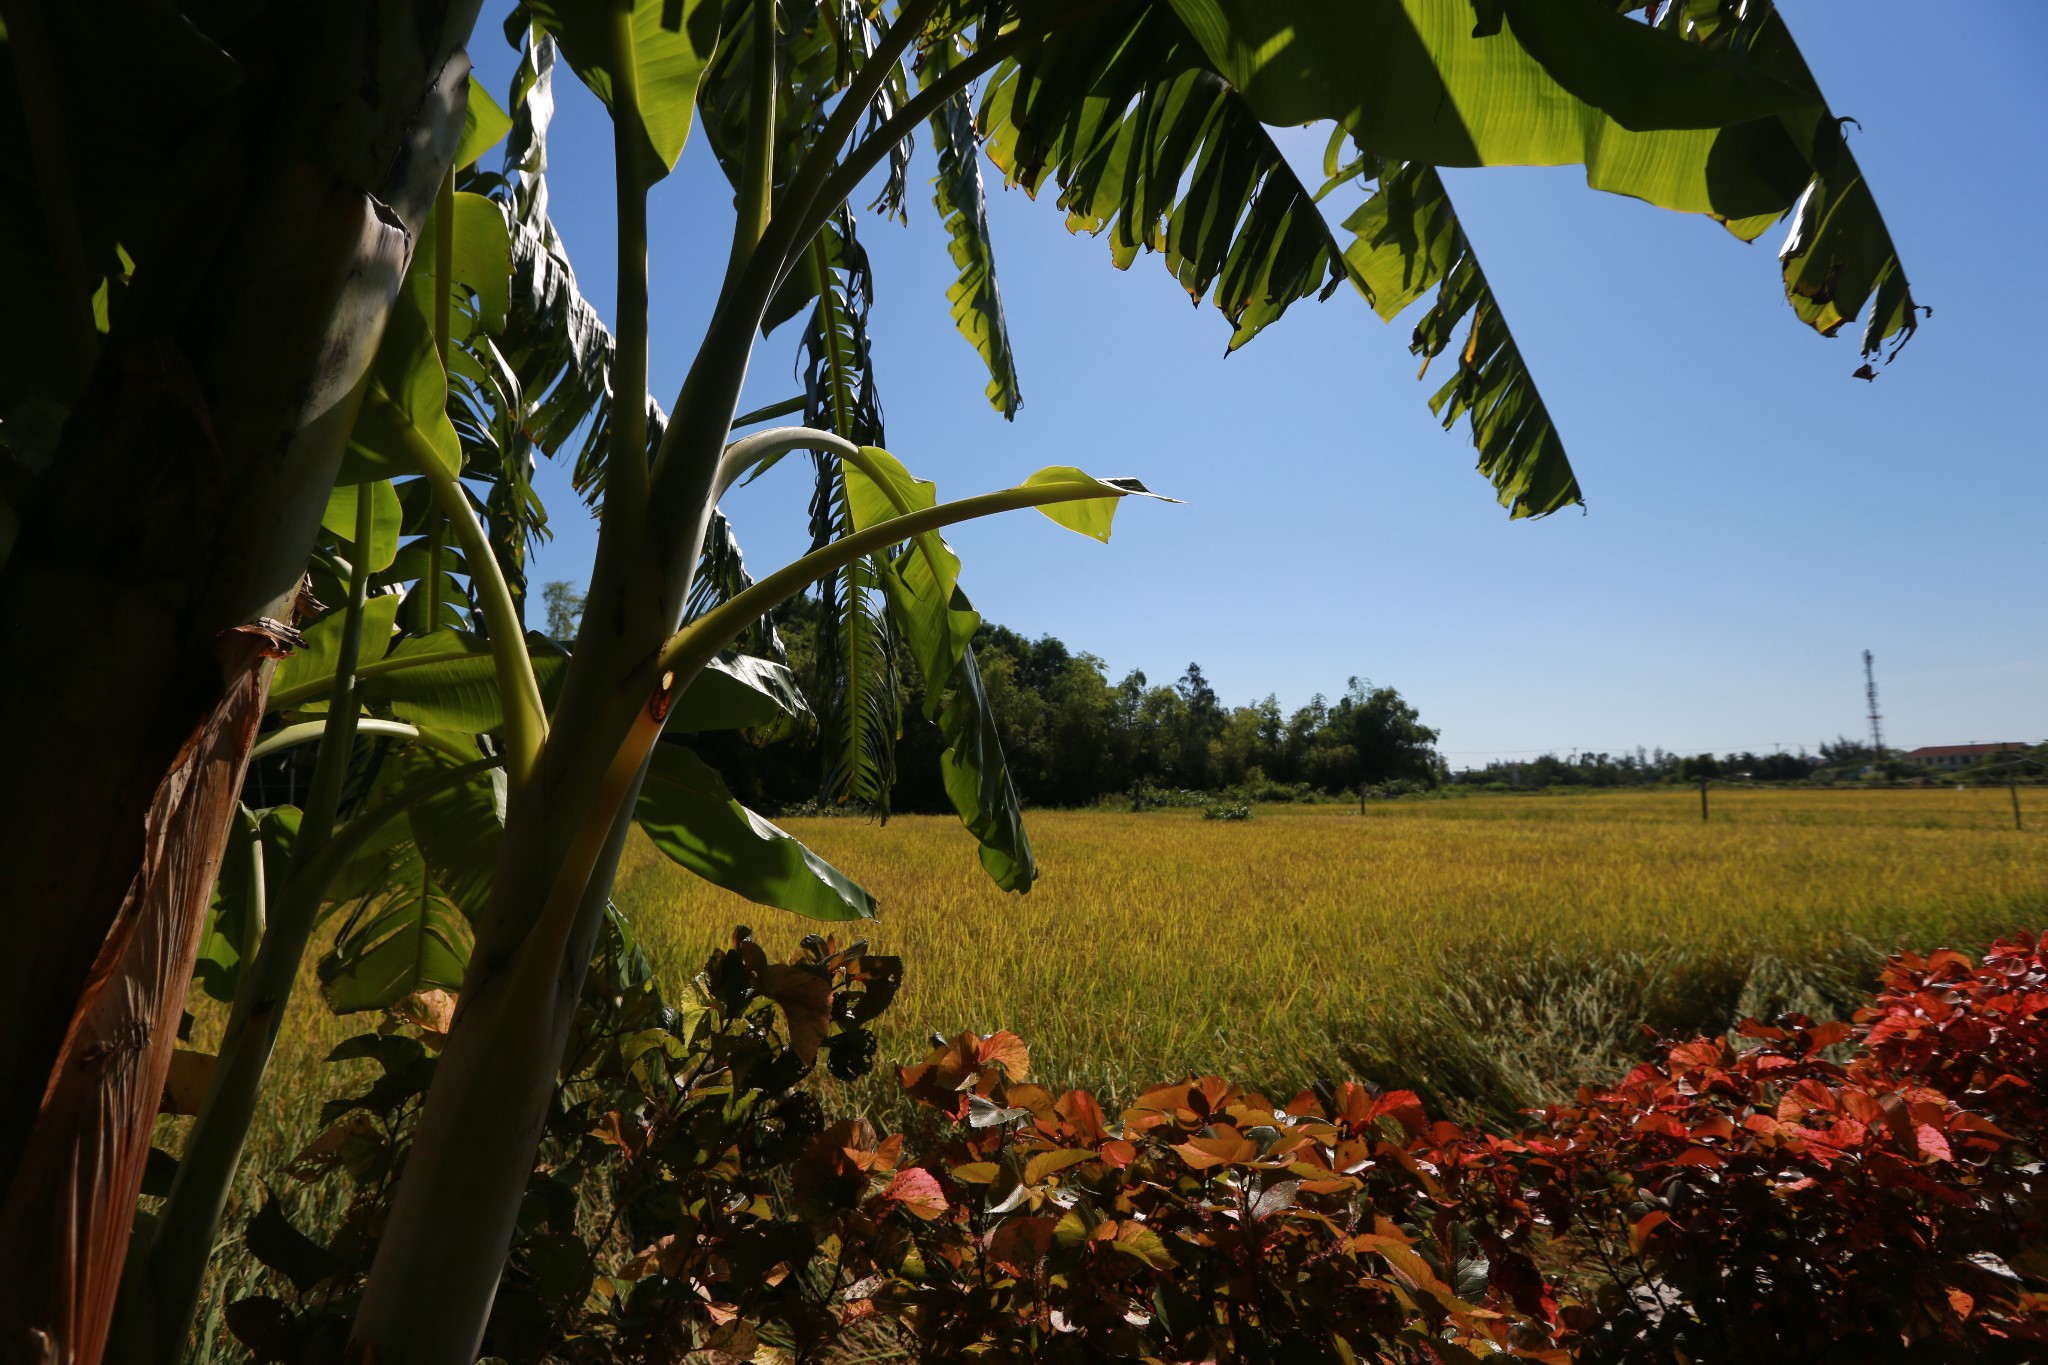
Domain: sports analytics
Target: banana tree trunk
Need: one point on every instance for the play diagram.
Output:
(136, 616)
(443, 1249)
(444, 1245)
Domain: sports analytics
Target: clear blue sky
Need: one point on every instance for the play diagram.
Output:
(1756, 517)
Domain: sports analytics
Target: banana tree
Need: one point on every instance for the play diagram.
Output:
(1153, 120)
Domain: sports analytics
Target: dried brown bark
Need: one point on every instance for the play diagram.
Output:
(64, 1227)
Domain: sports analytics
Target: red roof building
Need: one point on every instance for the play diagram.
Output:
(1949, 757)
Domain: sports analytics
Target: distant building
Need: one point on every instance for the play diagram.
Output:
(1949, 757)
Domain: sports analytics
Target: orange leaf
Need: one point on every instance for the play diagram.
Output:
(1007, 1049)
(1021, 1243)
(1403, 1106)
(1640, 1232)
(431, 1011)
(1082, 1114)
(626, 1134)
(1352, 1104)
(1204, 1152)
(1035, 1098)
(1827, 1035)
(1407, 1266)
(882, 1158)
(1046, 1163)
(1164, 1099)
(806, 999)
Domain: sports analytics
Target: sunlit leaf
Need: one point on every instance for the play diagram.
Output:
(1150, 149)
(408, 369)
(481, 267)
(484, 125)
(1090, 516)
(668, 43)
(938, 623)
(1409, 79)
(448, 680)
(445, 680)
(340, 519)
(917, 1192)
(1155, 122)
(1408, 241)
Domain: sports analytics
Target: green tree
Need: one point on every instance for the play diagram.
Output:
(1386, 736)
(1700, 768)
(564, 608)
(1844, 752)
(1242, 748)
(1703, 769)
(1198, 725)
(253, 316)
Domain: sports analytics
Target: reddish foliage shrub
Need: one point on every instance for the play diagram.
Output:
(1762, 1200)
(1824, 1192)
(1772, 1201)
(1207, 1223)
(1972, 1031)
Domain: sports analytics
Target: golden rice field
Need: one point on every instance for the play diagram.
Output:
(1485, 948)
(1488, 949)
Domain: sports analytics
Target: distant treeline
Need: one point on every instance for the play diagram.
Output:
(1840, 758)
(1073, 737)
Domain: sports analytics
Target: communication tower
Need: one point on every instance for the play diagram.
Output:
(1870, 695)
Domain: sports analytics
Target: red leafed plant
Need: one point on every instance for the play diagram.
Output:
(1771, 1200)
(1207, 1223)
(1815, 1192)
(1806, 1191)
(1974, 1032)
